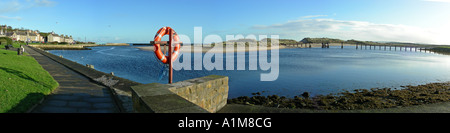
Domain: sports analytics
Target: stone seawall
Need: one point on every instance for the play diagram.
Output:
(199, 95)
(210, 92)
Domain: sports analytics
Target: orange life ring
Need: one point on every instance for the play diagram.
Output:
(157, 48)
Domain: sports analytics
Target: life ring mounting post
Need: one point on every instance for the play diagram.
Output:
(173, 52)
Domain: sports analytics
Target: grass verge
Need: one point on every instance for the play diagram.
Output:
(23, 82)
(442, 50)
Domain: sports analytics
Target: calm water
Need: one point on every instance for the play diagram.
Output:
(316, 70)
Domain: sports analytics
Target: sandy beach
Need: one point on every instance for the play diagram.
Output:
(198, 49)
(205, 49)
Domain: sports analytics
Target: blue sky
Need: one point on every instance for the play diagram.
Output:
(421, 21)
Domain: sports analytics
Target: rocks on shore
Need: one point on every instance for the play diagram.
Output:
(374, 98)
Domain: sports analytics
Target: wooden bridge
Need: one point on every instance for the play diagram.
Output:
(394, 47)
(305, 45)
(391, 47)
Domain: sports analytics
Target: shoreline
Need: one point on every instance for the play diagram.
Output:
(359, 99)
(198, 49)
(206, 49)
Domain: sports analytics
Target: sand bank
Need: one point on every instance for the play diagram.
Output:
(205, 49)
(198, 49)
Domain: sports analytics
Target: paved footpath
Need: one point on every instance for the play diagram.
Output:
(75, 94)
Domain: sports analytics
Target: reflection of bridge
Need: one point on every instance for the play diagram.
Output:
(395, 47)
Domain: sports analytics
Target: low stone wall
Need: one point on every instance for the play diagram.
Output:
(60, 47)
(210, 92)
(199, 95)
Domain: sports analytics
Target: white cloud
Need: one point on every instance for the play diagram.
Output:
(313, 16)
(16, 5)
(359, 30)
(43, 3)
(15, 18)
(447, 1)
(10, 6)
(13, 6)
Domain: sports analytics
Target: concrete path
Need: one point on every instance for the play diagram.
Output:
(75, 94)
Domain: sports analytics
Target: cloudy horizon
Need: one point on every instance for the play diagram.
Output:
(357, 30)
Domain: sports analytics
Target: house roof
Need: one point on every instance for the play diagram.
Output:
(21, 33)
(54, 35)
(32, 34)
(9, 33)
(44, 34)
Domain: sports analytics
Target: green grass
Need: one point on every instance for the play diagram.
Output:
(23, 82)
(17, 44)
(442, 49)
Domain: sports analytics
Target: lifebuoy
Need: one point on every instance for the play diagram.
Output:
(157, 48)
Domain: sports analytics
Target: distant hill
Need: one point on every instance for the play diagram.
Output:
(330, 40)
(245, 41)
(284, 41)
(321, 40)
(352, 41)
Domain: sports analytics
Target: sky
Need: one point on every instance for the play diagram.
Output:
(127, 21)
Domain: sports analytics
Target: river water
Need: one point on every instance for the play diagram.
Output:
(314, 70)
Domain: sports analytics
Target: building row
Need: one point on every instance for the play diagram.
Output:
(33, 36)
